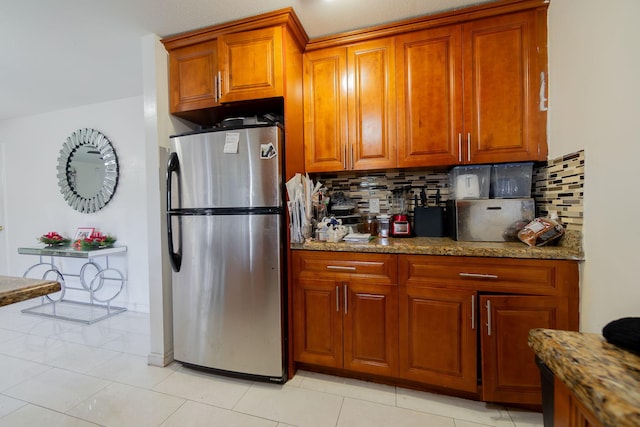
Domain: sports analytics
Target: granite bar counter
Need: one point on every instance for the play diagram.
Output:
(570, 247)
(16, 289)
(603, 377)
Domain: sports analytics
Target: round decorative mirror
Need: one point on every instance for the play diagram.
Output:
(87, 170)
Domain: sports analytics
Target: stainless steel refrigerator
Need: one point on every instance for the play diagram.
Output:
(225, 223)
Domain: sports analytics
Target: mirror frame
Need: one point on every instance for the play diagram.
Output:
(97, 140)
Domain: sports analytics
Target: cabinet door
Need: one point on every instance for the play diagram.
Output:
(438, 337)
(372, 105)
(509, 371)
(371, 327)
(503, 122)
(429, 76)
(325, 110)
(251, 64)
(568, 411)
(192, 77)
(317, 321)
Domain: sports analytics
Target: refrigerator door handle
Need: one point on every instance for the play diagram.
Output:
(174, 257)
(173, 166)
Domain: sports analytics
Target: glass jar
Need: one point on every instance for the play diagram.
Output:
(370, 224)
(383, 225)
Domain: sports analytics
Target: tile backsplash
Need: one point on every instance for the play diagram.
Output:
(557, 185)
(364, 186)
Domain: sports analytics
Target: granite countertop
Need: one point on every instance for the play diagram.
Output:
(16, 289)
(570, 247)
(604, 377)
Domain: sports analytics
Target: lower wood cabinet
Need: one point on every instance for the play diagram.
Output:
(346, 311)
(461, 310)
(438, 337)
(509, 372)
(568, 411)
(458, 323)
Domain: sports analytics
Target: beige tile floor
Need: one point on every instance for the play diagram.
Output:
(59, 373)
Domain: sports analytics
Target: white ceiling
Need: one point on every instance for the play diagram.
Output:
(67, 53)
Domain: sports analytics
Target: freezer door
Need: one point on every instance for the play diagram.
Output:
(228, 169)
(227, 296)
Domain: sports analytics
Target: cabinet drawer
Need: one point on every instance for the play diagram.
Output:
(380, 267)
(545, 277)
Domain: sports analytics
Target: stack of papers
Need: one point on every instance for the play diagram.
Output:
(301, 191)
(357, 237)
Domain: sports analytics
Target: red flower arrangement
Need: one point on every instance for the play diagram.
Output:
(96, 240)
(52, 238)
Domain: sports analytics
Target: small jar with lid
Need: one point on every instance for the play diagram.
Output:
(383, 225)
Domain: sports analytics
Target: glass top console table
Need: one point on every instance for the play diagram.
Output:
(101, 282)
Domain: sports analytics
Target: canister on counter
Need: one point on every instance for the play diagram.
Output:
(370, 224)
(383, 225)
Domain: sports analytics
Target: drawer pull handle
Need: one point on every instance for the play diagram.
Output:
(337, 298)
(340, 267)
(479, 276)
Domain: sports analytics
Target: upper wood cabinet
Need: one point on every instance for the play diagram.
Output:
(429, 70)
(251, 65)
(325, 110)
(504, 88)
(247, 67)
(349, 107)
(234, 67)
(193, 72)
(473, 92)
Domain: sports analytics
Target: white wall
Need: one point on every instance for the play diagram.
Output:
(159, 125)
(35, 206)
(594, 93)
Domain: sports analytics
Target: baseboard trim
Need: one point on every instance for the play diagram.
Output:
(159, 359)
